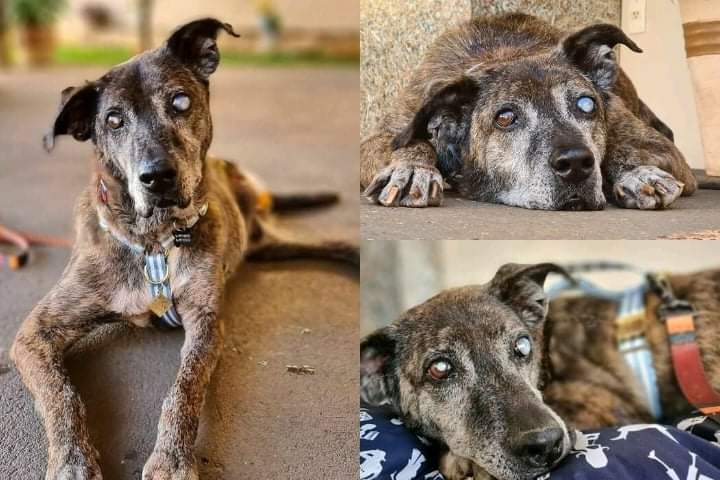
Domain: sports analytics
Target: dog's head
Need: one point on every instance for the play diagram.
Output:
(464, 368)
(149, 118)
(528, 132)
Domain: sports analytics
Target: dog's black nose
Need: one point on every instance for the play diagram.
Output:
(541, 448)
(159, 177)
(573, 165)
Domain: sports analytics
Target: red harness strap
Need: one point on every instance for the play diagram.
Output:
(687, 362)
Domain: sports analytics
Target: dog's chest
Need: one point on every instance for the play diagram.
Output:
(132, 296)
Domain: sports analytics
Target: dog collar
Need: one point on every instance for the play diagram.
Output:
(630, 323)
(156, 269)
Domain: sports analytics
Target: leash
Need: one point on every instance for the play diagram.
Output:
(23, 241)
(631, 314)
(679, 317)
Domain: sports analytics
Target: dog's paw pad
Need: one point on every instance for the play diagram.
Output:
(647, 188)
(164, 465)
(407, 184)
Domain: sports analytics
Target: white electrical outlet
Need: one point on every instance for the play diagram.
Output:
(636, 16)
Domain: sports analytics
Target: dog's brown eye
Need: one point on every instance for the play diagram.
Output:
(439, 369)
(181, 102)
(114, 120)
(505, 118)
(523, 346)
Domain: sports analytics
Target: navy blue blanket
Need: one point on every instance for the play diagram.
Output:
(388, 451)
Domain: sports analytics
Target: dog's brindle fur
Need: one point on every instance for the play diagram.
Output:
(442, 124)
(494, 397)
(103, 281)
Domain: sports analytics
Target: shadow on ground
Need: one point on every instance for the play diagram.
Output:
(462, 219)
(298, 130)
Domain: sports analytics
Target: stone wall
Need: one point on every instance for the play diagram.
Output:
(395, 34)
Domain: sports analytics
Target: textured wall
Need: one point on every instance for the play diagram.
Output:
(394, 34)
(565, 14)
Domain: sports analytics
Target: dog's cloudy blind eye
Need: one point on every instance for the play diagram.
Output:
(181, 102)
(586, 104)
(523, 346)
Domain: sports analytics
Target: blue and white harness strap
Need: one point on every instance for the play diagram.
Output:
(157, 276)
(156, 271)
(632, 343)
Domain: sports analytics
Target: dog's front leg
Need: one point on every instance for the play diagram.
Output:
(173, 457)
(64, 316)
(643, 168)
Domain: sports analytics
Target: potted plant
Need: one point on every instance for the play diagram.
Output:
(36, 19)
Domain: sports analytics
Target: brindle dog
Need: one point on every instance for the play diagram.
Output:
(149, 120)
(511, 110)
(502, 383)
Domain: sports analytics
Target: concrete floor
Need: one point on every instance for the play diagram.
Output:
(460, 219)
(298, 130)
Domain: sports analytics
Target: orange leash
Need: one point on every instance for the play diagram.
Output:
(23, 241)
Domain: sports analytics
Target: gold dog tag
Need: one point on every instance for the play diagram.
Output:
(159, 305)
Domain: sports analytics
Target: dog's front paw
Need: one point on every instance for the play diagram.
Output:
(73, 465)
(164, 465)
(407, 184)
(647, 188)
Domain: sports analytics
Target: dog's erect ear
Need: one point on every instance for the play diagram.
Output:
(194, 44)
(521, 288)
(377, 353)
(444, 119)
(76, 117)
(591, 50)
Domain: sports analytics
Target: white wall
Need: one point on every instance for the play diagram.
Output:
(661, 74)
(464, 262)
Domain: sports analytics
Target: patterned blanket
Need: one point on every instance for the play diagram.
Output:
(690, 451)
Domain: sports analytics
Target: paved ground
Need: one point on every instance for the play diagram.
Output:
(465, 220)
(299, 130)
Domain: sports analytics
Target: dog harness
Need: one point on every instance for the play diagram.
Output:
(156, 271)
(631, 314)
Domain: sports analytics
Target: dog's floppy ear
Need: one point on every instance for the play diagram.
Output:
(194, 44)
(521, 288)
(76, 116)
(377, 354)
(591, 50)
(444, 117)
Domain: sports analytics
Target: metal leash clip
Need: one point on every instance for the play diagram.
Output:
(669, 303)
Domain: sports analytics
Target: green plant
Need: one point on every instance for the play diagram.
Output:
(36, 12)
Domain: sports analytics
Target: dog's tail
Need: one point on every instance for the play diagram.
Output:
(289, 202)
(282, 250)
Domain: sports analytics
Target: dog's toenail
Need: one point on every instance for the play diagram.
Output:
(392, 194)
